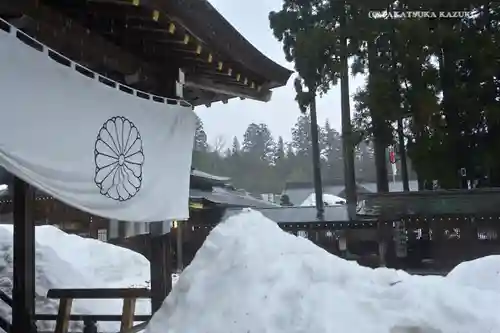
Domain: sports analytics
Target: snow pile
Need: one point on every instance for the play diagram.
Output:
(4, 189)
(175, 278)
(250, 276)
(51, 272)
(483, 273)
(70, 261)
(107, 264)
(328, 199)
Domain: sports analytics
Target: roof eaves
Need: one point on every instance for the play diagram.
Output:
(205, 22)
(201, 174)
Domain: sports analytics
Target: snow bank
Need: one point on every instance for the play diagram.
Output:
(51, 272)
(250, 276)
(483, 273)
(329, 199)
(105, 263)
(70, 261)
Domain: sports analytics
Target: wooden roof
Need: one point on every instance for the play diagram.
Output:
(210, 26)
(144, 42)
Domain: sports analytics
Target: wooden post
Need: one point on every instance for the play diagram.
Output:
(63, 314)
(23, 308)
(342, 243)
(179, 243)
(159, 260)
(128, 314)
(382, 240)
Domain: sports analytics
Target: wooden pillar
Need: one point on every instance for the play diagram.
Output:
(23, 292)
(179, 242)
(122, 229)
(382, 226)
(159, 260)
(437, 238)
(342, 243)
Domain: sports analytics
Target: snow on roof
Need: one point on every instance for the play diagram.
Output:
(201, 174)
(305, 214)
(298, 214)
(4, 190)
(254, 277)
(328, 199)
(229, 197)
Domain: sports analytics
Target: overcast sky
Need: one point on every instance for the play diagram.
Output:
(232, 119)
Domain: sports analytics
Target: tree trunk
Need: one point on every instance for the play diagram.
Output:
(378, 126)
(318, 187)
(397, 103)
(455, 143)
(347, 139)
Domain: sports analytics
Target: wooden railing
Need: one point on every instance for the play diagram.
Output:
(127, 318)
(64, 316)
(4, 324)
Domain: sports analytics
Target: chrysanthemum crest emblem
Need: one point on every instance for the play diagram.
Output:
(119, 159)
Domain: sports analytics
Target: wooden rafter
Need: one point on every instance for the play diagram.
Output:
(224, 89)
(109, 17)
(16, 7)
(88, 47)
(134, 3)
(136, 39)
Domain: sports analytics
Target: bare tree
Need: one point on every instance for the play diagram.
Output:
(219, 144)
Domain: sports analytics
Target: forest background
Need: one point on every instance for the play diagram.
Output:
(260, 163)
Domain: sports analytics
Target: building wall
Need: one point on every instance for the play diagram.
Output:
(120, 229)
(271, 197)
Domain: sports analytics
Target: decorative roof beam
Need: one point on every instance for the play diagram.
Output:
(106, 10)
(189, 44)
(152, 26)
(204, 21)
(170, 32)
(118, 2)
(218, 88)
(217, 75)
